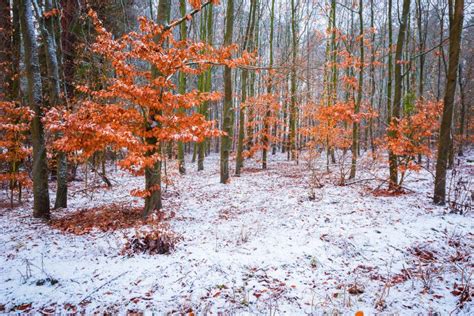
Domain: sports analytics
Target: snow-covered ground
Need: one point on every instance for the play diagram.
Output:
(255, 245)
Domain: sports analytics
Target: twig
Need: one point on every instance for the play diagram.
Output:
(97, 289)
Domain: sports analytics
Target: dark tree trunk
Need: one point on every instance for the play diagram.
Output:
(397, 96)
(41, 206)
(226, 140)
(153, 174)
(456, 15)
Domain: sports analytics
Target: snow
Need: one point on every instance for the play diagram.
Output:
(255, 245)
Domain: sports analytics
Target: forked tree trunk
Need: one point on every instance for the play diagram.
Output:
(55, 95)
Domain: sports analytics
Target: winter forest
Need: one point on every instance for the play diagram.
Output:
(268, 157)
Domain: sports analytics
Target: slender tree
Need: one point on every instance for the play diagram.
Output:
(226, 139)
(182, 86)
(293, 114)
(356, 125)
(266, 127)
(239, 161)
(397, 97)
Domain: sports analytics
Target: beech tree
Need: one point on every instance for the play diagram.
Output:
(456, 17)
(137, 108)
(34, 92)
(226, 141)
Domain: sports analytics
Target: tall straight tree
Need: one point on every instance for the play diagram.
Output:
(294, 46)
(456, 16)
(266, 123)
(182, 85)
(239, 161)
(205, 79)
(226, 138)
(355, 125)
(41, 208)
(391, 156)
(397, 96)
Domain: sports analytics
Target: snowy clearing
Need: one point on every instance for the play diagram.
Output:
(256, 245)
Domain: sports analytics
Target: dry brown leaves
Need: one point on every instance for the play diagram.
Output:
(105, 218)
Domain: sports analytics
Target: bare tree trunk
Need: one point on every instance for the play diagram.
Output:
(226, 141)
(266, 132)
(292, 122)
(56, 94)
(462, 115)
(182, 86)
(239, 161)
(356, 125)
(41, 206)
(397, 97)
(456, 16)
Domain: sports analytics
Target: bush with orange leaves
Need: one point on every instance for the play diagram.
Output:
(265, 108)
(137, 110)
(410, 135)
(14, 126)
(330, 128)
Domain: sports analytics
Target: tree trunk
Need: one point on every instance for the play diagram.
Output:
(239, 161)
(182, 86)
(266, 131)
(355, 125)
(462, 114)
(6, 51)
(456, 16)
(226, 141)
(55, 95)
(397, 96)
(292, 122)
(41, 208)
(153, 174)
(205, 79)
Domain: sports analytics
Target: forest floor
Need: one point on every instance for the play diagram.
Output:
(255, 245)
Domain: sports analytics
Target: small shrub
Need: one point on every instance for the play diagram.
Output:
(158, 240)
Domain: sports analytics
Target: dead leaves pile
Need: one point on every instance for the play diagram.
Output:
(105, 218)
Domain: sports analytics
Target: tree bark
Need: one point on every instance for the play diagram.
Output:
(182, 86)
(292, 122)
(239, 161)
(397, 96)
(266, 127)
(456, 16)
(153, 174)
(226, 141)
(41, 207)
(355, 125)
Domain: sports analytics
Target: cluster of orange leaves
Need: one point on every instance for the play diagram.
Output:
(409, 136)
(14, 127)
(196, 4)
(332, 125)
(265, 109)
